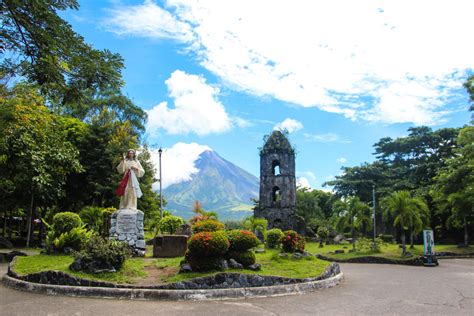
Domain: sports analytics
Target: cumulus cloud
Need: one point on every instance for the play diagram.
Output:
(290, 125)
(196, 108)
(341, 160)
(303, 182)
(383, 61)
(178, 162)
(307, 174)
(324, 138)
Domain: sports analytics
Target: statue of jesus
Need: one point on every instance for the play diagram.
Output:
(129, 188)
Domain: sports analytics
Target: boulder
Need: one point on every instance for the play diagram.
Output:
(235, 265)
(254, 267)
(338, 238)
(339, 251)
(185, 268)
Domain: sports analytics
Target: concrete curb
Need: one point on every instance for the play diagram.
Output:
(164, 294)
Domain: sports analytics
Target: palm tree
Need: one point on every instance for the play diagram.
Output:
(409, 214)
(354, 214)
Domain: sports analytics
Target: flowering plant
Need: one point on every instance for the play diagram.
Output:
(292, 242)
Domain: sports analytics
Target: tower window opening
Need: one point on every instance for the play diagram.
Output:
(276, 167)
(276, 194)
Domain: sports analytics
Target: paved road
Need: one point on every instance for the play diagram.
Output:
(367, 289)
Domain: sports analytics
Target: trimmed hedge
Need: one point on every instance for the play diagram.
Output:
(209, 225)
(292, 242)
(65, 221)
(209, 244)
(274, 237)
(241, 240)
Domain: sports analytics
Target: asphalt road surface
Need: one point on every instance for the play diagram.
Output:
(367, 289)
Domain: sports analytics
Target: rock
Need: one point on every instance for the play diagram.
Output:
(260, 250)
(76, 265)
(338, 238)
(339, 251)
(306, 254)
(408, 254)
(223, 265)
(184, 229)
(235, 265)
(131, 242)
(140, 244)
(121, 237)
(352, 250)
(12, 254)
(296, 255)
(283, 255)
(5, 243)
(67, 250)
(254, 267)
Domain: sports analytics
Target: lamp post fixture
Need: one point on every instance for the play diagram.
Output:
(373, 205)
(160, 151)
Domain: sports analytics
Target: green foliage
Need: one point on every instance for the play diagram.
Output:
(64, 222)
(199, 263)
(386, 238)
(314, 204)
(209, 225)
(92, 217)
(274, 237)
(323, 234)
(229, 225)
(73, 239)
(277, 141)
(103, 252)
(292, 242)
(169, 224)
(209, 244)
(353, 214)
(246, 258)
(241, 240)
(364, 244)
(256, 225)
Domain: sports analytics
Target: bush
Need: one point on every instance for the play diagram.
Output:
(364, 244)
(170, 224)
(209, 225)
(200, 263)
(73, 239)
(209, 244)
(64, 222)
(101, 254)
(292, 242)
(274, 237)
(257, 225)
(241, 240)
(246, 258)
(323, 234)
(387, 238)
(92, 217)
(230, 225)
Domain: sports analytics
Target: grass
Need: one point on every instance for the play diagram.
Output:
(391, 251)
(132, 271)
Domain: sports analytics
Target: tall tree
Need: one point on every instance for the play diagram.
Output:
(355, 215)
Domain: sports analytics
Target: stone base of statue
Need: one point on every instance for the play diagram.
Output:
(126, 225)
(170, 246)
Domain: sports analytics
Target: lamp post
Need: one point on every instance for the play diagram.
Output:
(160, 151)
(373, 205)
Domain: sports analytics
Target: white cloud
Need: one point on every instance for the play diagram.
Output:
(241, 122)
(341, 160)
(384, 61)
(147, 20)
(303, 182)
(196, 108)
(290, 125)
(324, 138)
(178, 162)
(307, 174)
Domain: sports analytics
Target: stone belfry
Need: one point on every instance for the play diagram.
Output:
(277, 201)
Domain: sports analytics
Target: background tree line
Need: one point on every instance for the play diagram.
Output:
(64, 120)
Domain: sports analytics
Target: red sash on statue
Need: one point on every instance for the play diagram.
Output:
(120, 191)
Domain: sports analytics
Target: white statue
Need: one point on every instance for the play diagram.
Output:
(129, 188)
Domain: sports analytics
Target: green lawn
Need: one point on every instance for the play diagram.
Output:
(131, 272)
(390, 251)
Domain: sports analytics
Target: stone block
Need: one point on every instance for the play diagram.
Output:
(169, 246)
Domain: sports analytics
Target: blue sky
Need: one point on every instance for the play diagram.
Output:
(221, 75)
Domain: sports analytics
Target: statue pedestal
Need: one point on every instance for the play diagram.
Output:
(170, 246)
(126, 225)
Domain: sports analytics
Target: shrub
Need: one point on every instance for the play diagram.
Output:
(274, 237)
(292, 242)
(257, 225)
(364, 244)
(101, 254)
(323, 234)
(212, 244)
(209, 225)
(387, 238)
(170, 223)
(246, 258)
(241, 240)
(64, 222)
(230, 225)
(200, 263)
(74, 239)
(92, 217)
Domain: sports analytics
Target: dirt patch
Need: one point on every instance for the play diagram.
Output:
(157, 276)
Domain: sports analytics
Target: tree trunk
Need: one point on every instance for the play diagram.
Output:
(4, 232)
(353, 238)
(466, 233)
(30, 219)
(411, 239)
(404, 248)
